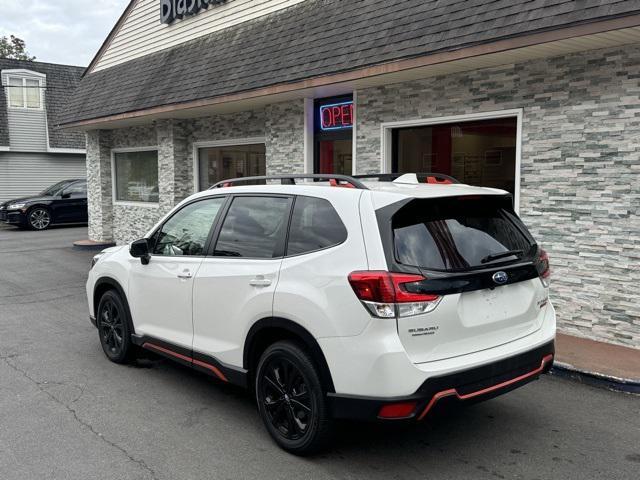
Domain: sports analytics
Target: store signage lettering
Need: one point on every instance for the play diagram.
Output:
(171, 10)
(337, 116)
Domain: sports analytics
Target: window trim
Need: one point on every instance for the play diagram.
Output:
(210, 237)
(114, 193)
(227, 207)
(231, 142)
(24, 75)
(387, 128)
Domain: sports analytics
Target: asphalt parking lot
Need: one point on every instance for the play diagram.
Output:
(68, 413)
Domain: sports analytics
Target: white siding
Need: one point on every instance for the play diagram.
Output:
(142, 33)
(27, 130)
(23, 174)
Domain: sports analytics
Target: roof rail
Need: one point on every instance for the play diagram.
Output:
(289, 179)
(426, 177)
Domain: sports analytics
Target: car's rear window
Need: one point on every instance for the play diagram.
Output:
(459, 233)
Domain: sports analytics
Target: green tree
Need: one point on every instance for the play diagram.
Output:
(14, 47)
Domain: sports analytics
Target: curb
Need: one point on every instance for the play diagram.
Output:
(90, 245)
(595, 379)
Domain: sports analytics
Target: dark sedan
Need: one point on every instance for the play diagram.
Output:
(64, 202)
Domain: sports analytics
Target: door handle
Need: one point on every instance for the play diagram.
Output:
(185, 275)
(260, 281)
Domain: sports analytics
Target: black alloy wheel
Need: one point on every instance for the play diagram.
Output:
(290, 399)
(39, 218)
(113, 327)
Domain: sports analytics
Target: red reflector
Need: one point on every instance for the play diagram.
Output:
(385, 287)
(397, 410)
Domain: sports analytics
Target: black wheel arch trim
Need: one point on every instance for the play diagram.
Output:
(296, 330)
(113, 284)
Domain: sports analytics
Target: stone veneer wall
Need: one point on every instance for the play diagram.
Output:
(580, 189)
(132, 222)
(284, 139)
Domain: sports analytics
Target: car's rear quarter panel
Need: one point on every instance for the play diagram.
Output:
(313, 289)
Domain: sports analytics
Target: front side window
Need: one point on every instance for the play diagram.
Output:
(187, 231)
(254, 227)
(221, 163)
(457, 234)
(54, 190)
(24, 93)
(315, 225)
(136, 176)
(76, 189)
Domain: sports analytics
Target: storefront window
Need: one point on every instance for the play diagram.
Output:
(479, 153)
(334, 135)
(221, 163)
(136, 176)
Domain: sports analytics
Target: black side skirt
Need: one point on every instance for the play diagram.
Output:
(190, 358)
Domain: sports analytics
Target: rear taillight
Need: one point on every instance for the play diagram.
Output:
(387, 295)
(544, 270)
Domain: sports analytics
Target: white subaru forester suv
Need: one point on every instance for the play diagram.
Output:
(333, 297)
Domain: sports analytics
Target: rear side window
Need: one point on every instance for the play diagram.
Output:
(456, 234)
(254, 228)
(315, 225)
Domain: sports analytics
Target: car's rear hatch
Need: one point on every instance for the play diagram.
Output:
(461, 246)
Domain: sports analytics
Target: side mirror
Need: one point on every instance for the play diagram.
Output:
(140, 249)
(65, 195)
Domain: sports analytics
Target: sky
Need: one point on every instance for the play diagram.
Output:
(69, 32)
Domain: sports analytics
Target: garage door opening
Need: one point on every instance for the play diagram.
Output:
(479, 152)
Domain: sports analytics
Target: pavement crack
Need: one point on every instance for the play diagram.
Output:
(42, 387)
(40, 300)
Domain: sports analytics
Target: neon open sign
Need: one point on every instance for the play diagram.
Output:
(336, 116)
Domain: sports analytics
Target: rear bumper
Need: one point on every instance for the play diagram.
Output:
(476, 384)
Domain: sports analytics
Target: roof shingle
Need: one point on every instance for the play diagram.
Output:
(320, 37)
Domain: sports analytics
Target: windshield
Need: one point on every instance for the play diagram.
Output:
(460, 233)
(53, 190)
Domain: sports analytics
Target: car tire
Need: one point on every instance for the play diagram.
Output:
(291, 400)
(114, 329)
(39, 218)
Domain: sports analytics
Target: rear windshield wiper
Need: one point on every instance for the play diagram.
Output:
(496, 256)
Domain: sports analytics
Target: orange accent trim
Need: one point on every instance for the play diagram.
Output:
(153, 346)
(216, 371)
(434, 180)
(334, 183)
(208, 366)
(447, 393)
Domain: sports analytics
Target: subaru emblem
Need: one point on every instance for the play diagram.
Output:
(500, 278)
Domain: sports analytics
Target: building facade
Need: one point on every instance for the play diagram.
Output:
(541, 100)
(34, 151)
